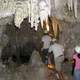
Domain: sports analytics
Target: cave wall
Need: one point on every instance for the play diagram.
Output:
(9, 34)
(4, 37)
(70, 36)
(21, 42)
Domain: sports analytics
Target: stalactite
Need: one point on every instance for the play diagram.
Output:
(72, 5)
(32, 10)
(45, 12)
(56, 27)
(29, 11)
(33, 13)
(47, 24)
(75, 8)
(20, 13)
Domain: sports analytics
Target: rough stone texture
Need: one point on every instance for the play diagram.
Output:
(62, 11)
(70, 36)
(5, 20)
(35, 70)
(3, 37)
(31, 71)
(21, 42)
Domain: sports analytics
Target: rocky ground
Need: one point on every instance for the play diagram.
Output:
(35, 70)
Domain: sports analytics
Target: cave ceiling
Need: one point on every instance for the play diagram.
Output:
(10, 7)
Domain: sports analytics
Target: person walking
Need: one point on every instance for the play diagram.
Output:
(76, 63)
(58, 52)
(46, 39)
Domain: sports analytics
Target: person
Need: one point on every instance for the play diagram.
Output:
(46, 39)
(58, 52)
(76, 63)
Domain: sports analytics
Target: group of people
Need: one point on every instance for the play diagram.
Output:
(51, 45)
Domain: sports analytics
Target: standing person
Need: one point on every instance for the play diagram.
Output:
(58, 52)
(76, 63)
(46, 39)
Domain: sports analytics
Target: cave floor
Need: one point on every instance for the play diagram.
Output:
(28, 72)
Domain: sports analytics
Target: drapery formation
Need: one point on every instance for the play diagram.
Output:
(36, 10)
(21, 12)
(56, 26)
(33, 13)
